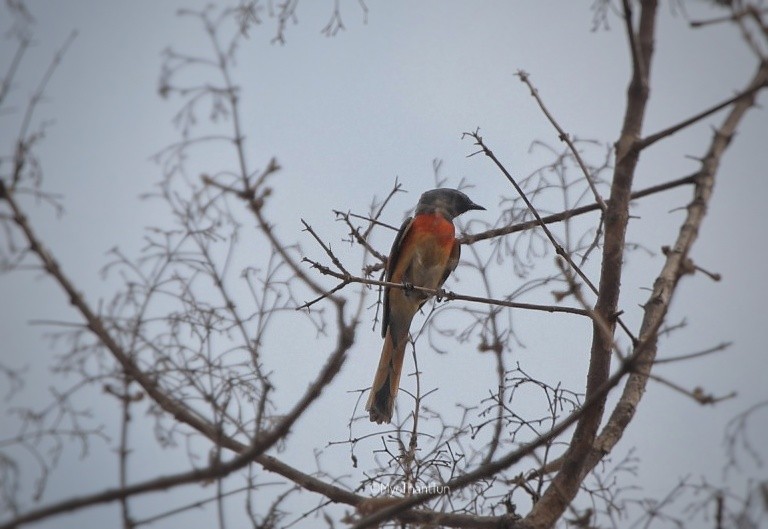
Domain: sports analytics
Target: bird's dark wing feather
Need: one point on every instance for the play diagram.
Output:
(394, 253)
(453, 262)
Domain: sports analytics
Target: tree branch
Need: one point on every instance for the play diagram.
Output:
(566, 482)
(653, 138)
(441, 294)
(563, 136)
(181, 412)
(659, 300)
(398, 508)
(559, 250)
(558, 217)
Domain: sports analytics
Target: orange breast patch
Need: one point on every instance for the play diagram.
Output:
(434, 226)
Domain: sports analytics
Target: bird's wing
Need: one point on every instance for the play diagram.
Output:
(394, 255)
(453, 262)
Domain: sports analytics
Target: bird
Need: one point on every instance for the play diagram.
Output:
(424, 254)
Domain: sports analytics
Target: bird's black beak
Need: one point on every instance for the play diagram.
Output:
(472, 205)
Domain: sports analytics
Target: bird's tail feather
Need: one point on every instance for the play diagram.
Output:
(386, 382)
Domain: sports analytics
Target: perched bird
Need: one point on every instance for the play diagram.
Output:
(424, 254)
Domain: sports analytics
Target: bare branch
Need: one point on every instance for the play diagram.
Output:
(653, 138)
(558, 247)
(563, 136)
(26, 122)
(440, 294)
(664, 286)
(565, 484)
(698, 394)
(558, 217)
(397, 507)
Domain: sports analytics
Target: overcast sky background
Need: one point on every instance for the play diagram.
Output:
(345, 116)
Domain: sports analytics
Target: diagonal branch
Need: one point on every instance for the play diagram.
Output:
(178, 409)
(653, 138)
(217, 470)
(399, 508)
(565, 485)
(658, 302)
(558, 247)
(634, 48)
(7, 81)
(37, 97)
(563, 215)
(254, 199)
(563, 136)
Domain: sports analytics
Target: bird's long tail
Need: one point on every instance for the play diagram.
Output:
(381, 401)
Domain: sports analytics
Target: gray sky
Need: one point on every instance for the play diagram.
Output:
(346, 116)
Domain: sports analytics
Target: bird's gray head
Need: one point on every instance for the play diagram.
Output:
(450, 203)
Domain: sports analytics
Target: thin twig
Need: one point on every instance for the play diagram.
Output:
(440, 294)
(563, 136)
(23, 141)
(336, 261)
(728, 18)
(559, 250)
(696, 394)
(558, 217)
(600, 324)
(7, 82)
(716, 349)
(653, 138)
(359, 237)
(398, 508)
(634, 49)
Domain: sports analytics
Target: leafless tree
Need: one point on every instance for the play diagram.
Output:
(186, 340)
